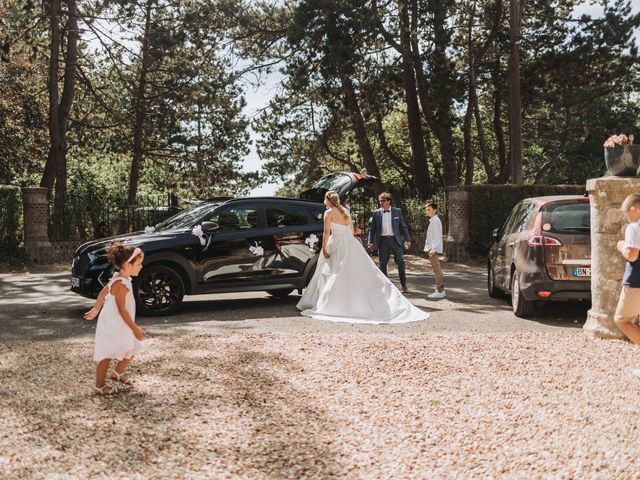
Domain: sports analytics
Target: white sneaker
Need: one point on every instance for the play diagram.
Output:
(437, 295)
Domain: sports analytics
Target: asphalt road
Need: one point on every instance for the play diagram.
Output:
(41, 307)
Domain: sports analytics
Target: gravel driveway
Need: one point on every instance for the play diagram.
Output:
(238, 387)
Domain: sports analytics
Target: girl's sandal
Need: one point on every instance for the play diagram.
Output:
(105, 391)
(122, 378)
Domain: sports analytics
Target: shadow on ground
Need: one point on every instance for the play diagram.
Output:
(41, 306)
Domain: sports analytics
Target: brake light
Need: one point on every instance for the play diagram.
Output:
(537, 239)
(541, 240)
(543, 293)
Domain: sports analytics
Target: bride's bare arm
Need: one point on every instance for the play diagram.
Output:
(325, 234)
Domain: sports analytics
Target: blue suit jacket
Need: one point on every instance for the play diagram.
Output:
(398, 224)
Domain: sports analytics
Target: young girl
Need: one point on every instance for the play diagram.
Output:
(117, 335)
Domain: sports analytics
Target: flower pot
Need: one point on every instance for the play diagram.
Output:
(622, 160)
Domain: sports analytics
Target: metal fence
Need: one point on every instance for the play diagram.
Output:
(363, 202)
(83, 222)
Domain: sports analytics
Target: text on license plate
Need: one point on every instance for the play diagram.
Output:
(75, 282)
(581, 271)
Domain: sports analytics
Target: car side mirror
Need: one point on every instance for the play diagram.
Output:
(496, 234)
(208, 227)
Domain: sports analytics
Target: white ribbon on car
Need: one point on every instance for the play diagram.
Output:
(197, 231)
(311, 240)
(256, 249)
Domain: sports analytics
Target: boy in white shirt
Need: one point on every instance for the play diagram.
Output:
(629, 301)
(434, 248)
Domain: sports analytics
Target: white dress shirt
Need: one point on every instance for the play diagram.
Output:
(434, 236)
(387, 228)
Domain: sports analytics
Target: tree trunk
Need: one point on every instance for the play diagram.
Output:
(515, 108)
(141, 107)
(64, 110)
(49, 175)
(468, 116)
(442, 88)
(419, 164)
(504, 170)
(468, 146)
(359, 129)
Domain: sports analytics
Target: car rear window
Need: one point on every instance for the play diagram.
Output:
(569, 218)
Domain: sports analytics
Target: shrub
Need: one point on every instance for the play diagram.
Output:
(490, 206)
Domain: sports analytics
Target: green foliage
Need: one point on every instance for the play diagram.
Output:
(490, 206)
(413, 210)
(10, 217)
(23, 134)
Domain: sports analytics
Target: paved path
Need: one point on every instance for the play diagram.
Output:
(41, 307)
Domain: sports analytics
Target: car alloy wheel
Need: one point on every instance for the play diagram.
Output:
(160, 291)
(521, 306)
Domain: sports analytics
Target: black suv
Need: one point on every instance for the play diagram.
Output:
(231, 245)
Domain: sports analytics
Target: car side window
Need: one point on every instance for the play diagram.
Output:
(286, 216)
(510, 224)
(316, 213)
(235, 217)
(525, 217)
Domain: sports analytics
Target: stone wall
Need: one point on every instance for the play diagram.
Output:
(37, 247)
(456, 239)
(36, 221)
(55, 252)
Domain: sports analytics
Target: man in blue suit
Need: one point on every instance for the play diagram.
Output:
(386, 233)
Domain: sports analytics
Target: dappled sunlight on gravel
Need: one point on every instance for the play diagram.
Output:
(260, 406)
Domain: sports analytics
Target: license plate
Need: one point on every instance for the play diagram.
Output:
(581, 271)
(75, 282)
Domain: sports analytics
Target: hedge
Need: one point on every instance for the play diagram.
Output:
(10, 217)
(490, 206)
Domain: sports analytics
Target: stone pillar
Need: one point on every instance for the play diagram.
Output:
(36, 222)
(456, 240)
(606, 195)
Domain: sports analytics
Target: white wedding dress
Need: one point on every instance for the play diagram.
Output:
(349, 287)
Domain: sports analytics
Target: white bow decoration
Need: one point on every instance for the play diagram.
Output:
(149, 229)
(256, 249)
(197, 231)
(311, 240)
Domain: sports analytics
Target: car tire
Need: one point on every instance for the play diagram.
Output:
(521, 306)
(494, 292)
(278, 294)
(159, 291)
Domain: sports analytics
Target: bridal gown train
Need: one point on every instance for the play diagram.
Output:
(349, 287)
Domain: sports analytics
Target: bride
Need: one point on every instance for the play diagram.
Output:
(347, 286)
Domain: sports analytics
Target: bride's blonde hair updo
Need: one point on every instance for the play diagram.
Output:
(335, 201)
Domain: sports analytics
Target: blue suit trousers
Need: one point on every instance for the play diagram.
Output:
(385, 247)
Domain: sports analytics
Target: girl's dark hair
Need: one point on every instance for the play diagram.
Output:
(118, 254)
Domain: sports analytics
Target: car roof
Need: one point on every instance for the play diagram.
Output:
(554, 198)
(270, 198)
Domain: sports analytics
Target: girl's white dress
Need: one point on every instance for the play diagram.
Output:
(349, 287)
(114, 339)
